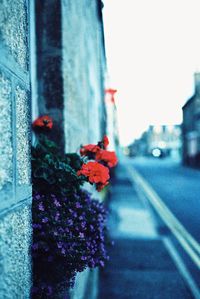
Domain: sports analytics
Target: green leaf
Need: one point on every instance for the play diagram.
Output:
(43, 172)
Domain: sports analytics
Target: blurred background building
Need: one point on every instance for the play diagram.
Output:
(191, 127)
(158, 141)
(176, 141)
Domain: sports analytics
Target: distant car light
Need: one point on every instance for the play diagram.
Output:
(156, 152)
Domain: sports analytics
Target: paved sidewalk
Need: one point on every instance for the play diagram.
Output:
(140, 266)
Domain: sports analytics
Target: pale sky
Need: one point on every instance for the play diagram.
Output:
(153, 50)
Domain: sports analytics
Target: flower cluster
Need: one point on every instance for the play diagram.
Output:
(69, 226)
(43, 122)
(98, 171)
(68, 236)
(109, 158)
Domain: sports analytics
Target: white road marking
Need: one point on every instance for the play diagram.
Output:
(182, 268)
(190, 245)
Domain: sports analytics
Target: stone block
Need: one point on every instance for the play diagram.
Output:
(15, 263)
(14, 30)
(6, 150)
(23, 135)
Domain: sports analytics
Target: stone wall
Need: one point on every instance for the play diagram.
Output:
(83, 79)
(70, 72)
(70, 68)
(15, 184)
(83, 71)
(49, 63)
(68, 84)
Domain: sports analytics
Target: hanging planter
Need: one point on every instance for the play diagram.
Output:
(69, 226)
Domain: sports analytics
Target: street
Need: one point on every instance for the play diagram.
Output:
(141, 264)
(178, 186)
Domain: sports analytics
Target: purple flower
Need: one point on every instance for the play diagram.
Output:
(57, 203)
(69, 221)
(46, 248)
(102, 264)
(92, 228)
(63, 251)
(74, 214)
(49, 291)
(45, 220)
(57, 216)
(81, 235)
(35, 225)
(59, 244)
(74, 236)
(83, 258)
(41, 207)
(35, 246)
(78, 205)
(83, 224)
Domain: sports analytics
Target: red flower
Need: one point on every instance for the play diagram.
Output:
(109, 157)
(96, 173)
(105, 141)
(112, 94)
(43, 122)
(88, 149)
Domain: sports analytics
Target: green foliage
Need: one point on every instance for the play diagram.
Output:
(54, 172)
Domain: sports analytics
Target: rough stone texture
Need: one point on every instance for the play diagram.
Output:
(14, 30)
(5, 131)
(15, 270)
(15, 210)
(23, 136)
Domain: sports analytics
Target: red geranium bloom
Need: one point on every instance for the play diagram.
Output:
(109, 157)
(88, 149)
(96, 173)
(105, 141)
(43, 122)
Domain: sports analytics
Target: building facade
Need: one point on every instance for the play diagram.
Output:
(52, 62)
(191, 127)
(159, 140)
(166, 138)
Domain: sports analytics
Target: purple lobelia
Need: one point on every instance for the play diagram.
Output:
(68, 235)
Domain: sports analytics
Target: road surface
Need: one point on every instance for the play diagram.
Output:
(178, 186)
